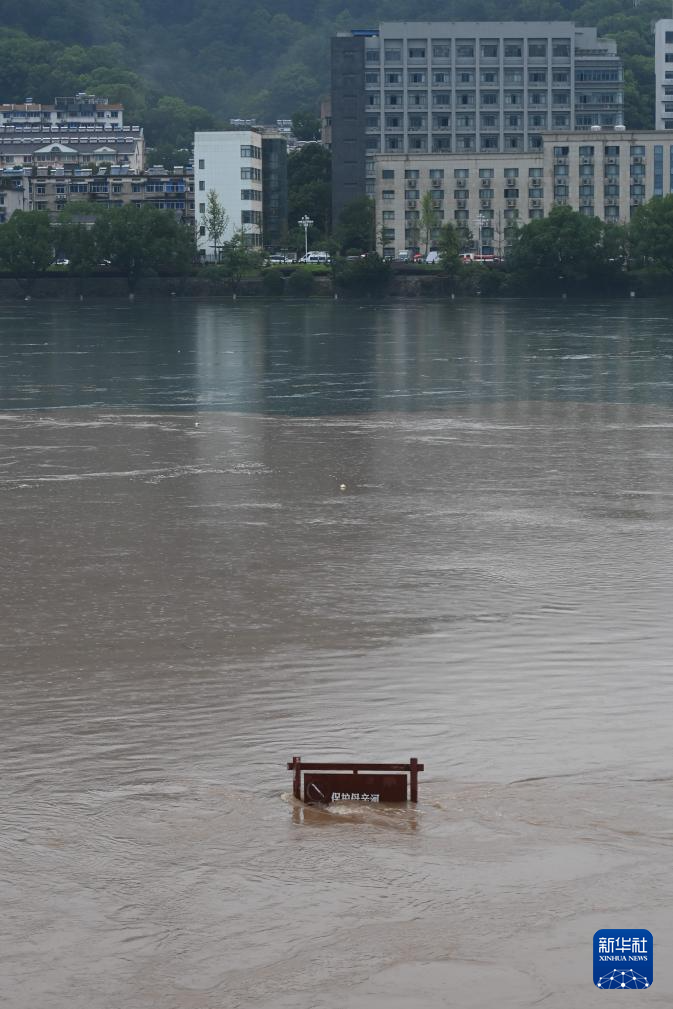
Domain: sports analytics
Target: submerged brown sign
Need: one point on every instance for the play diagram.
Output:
(339, 782)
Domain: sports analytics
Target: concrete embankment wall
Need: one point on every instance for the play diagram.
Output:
(63, 286)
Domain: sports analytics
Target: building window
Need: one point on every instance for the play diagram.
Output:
(202, 163)
(251, 217)
(489, 50)
(416, 53)
(251, 194)
(537, 50)
(251, 151)
(586, 151)
(412, 173)
(669, 38)
(513, 51)
(611, 151)
(461, 173)
(202, 185)
(441, 51)
(388, 194)
(465, 51)
(388, 173)
(388, 215)
(393, 55)
(535, 173)
(658, 170)
(561, 50)
(202, 208)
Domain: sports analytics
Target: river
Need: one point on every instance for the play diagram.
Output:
(235, 532)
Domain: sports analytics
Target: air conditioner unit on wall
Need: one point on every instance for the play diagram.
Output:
(461, 204)
(461, 182)
(411, 204)
(511, 203)
(436, 204)
(436, 183)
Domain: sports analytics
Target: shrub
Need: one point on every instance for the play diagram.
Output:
(273, 284)
(300, 283)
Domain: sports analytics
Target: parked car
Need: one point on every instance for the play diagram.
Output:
(315, 257)
(279, 258)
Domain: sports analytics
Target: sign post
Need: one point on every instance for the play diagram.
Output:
(338, 781)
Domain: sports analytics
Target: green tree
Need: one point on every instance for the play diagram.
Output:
(306, 125)
(356, 228)
(237, 258)
(309, 173)
(77, 242)
(565, 250)
(651, 234)
(140, 240)
(27, 245)
(449, 246)
(215, 220)
(429, 219)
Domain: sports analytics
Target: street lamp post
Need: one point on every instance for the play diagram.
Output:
(305, 223)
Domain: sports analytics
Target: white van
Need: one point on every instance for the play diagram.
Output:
(315, 257)
(432, 256)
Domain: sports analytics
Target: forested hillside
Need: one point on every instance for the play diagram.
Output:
(252, 59)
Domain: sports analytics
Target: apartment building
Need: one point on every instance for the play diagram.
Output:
(248, 171)
(12, 196)
(463, 88)
(52, 189)
(81, 109)
(602, 173)
(71, 146)
(663, 72)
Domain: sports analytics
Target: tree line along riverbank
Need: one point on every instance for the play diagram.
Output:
(126, 248)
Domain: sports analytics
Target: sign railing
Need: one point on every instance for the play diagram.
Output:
(325, 782)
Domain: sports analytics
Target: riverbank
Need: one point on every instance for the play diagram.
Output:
(410, 282)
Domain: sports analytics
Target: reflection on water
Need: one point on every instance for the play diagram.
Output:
(332, 357)
(190, 598)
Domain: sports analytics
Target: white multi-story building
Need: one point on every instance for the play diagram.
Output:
(663, 71)
(600, 173)
(74, 146)
(230, 164)
(67, 112)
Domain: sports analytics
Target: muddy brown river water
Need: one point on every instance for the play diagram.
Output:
(188, 598)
